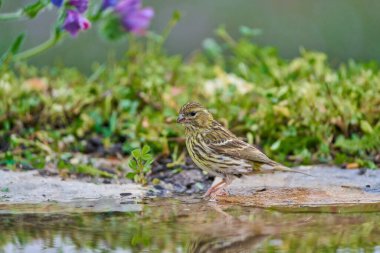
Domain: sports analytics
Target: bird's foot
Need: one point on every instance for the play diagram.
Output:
(208, 193)
(214, 188)
(218, 192)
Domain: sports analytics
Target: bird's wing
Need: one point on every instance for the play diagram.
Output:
(239, 149)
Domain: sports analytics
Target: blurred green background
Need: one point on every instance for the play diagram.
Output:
(344, 29)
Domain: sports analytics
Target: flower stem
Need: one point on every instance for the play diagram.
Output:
(53, 40)
(11, 15)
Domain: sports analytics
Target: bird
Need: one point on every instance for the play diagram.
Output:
(215, 149)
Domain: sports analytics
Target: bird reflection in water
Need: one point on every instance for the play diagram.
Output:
(230, 234)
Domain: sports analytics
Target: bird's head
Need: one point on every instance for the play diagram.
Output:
(193, 114)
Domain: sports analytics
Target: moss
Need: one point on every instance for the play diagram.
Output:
(299, 111)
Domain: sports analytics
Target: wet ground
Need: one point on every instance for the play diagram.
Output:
(334, 210)
(184, 225)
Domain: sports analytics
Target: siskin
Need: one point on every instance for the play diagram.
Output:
(218, 151)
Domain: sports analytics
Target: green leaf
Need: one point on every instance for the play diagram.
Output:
(146, 157)
(366, 126)
(145, 149)
(324, 148)
(132, 164)
(211, 47)
(366, 164)
(146, 169)
(87, 169)
(113, 121)
(13, 49)
(112, 29)
(276, 145)
(66, 156)
(130, 145)
(136, 153)
(9, 159)
(149, 161)
(131, 175)
(32, 10)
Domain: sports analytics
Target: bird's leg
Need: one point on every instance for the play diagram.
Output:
(214, 188)
(221, 190)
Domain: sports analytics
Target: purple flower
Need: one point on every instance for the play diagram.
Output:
(80, 5)
(75, 22)
(126, 6)
(108, 3)
(138, 22)
(57, 3)
(134, 18)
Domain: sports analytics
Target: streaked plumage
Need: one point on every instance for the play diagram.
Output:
(218, 151)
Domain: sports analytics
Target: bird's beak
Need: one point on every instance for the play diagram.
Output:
(180, 118)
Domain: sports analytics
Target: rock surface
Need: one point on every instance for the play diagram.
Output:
(30, 187)
(326, 186)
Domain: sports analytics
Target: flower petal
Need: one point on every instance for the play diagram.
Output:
(124, 7)
(57, 3)
(108, 3)
(138, 21)
(75, 22)
(80, 5)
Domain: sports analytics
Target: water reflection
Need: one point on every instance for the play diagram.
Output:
(229, 234)
(178, 226)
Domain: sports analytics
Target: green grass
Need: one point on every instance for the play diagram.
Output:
(299, 111)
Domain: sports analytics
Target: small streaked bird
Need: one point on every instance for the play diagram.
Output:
(218, 151)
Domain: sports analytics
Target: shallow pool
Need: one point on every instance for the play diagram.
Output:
(184, 225)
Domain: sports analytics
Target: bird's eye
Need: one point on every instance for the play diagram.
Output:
(193, 114)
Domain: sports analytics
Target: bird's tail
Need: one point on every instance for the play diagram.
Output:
(280, 167)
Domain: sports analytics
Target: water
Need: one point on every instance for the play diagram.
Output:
(185, 225)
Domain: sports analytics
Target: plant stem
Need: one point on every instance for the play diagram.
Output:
(54, 39)
(11, 15)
